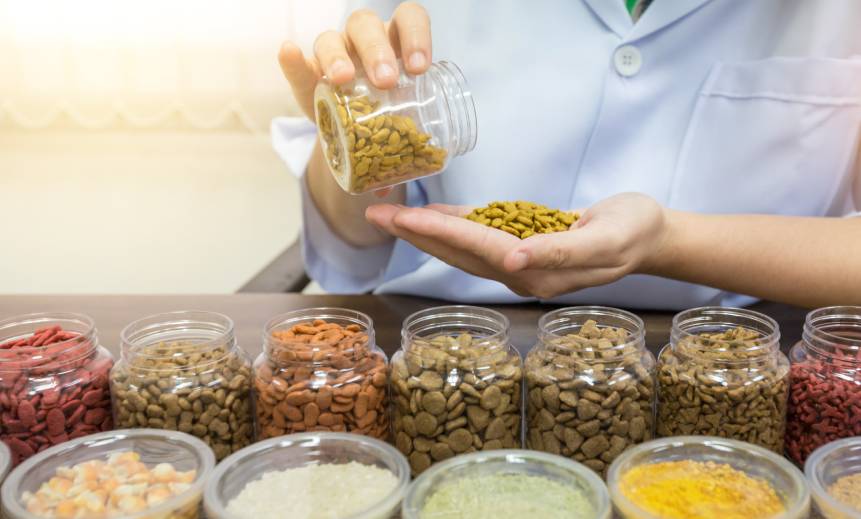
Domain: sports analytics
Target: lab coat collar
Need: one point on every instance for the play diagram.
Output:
(659, 15)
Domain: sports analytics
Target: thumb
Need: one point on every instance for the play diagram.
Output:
(302, 74)
(567, 249)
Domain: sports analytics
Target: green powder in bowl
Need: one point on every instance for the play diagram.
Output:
(508, 495)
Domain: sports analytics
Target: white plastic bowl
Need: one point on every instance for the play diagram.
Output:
(826, 465)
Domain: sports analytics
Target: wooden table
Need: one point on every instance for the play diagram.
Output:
(251, 311)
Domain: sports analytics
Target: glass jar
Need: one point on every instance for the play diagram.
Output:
(825, 381)
(456, 385)
(833, 473)
(706, 461)
(53, 381)
(321, 370)
(185, 453)
(723, 375)
(590, 384)
(511, 482)
(374, 138)
(183, 371)
(381, 489)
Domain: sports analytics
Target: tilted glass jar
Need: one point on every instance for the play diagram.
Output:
(374, 138)
(723, 375)
(456, 385)
(183, 371)
(825, 381)
(321, 370)
(590, 385)
(53, 381)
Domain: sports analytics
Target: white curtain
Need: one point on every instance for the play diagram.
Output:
(161, 64)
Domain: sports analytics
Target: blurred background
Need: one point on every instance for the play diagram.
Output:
(134, 144)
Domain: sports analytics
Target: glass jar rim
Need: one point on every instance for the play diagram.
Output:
(214, 503)
(86, 340)
(133, 338)
(325, 313)
(449, 315)
(614, 474)
(814, 479)
(636, 339)
(816, 337)
(189, 442)
(685, 326)
(594, 484)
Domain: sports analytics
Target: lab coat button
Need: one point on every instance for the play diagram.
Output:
(628, 60)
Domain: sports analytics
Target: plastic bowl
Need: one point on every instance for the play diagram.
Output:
(756, 461)
(512, 461)
(826, 465)
(5, 461)
(183, 451)
(299, 450)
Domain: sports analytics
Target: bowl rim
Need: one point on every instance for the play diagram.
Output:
(673, 442)
(594, 483)
(10, 498)
(215, 507)
(817, 488)
(5, 460)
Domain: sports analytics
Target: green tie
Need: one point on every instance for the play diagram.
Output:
(631, 4)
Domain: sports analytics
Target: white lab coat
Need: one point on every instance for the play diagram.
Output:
(717, 106)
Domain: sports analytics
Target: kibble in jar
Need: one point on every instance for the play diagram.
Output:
(183, 371)
(590, 385)
(372, 138)
(456, 385)
(523, 219)
(723, 375)
(321, 371)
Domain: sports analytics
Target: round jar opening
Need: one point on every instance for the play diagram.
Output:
(318, 347)
(488, 328)
(60, 337)
(173, 336)
(561, 329)
(835, 333)
(725, 334)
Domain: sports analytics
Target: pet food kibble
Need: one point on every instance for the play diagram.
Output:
(320, 491)
(456, 390)
(53, 382)
(197, 386)
(707, 490)
(374, 138)
(825, 381)
(515, 495)
(523, 219)
(117, 487)
(590, 386)
(321, 375)
(730, 382)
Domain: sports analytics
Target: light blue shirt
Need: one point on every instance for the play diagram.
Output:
(716, 106)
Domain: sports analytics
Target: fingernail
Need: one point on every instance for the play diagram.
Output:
(338, 67)
(384, 71)
(519, 260)
(417, 60)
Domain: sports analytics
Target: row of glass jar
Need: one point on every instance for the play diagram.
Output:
(566, 483)
(456, 384)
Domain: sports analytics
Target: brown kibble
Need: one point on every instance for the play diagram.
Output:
(460, 440)
(523, 219)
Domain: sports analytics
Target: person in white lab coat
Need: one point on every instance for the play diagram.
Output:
(731, 127)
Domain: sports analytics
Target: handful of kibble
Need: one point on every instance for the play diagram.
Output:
(523, 219)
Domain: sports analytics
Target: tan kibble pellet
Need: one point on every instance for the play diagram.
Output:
(523, 219)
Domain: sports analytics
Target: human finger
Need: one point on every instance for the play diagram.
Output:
(410, 33)
(301, 73)
(330, 48)
(367, 36)
(451, 210)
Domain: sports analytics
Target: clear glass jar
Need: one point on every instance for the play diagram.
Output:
(456, 385)
(154, 447)
(825, 381)
(374, 138)
(760, 464)
(590, 385)
(183, 371)
(825, 471)
(296, 451)
(53, 381)
(487, 471)
(723, 375)
(321, 370)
